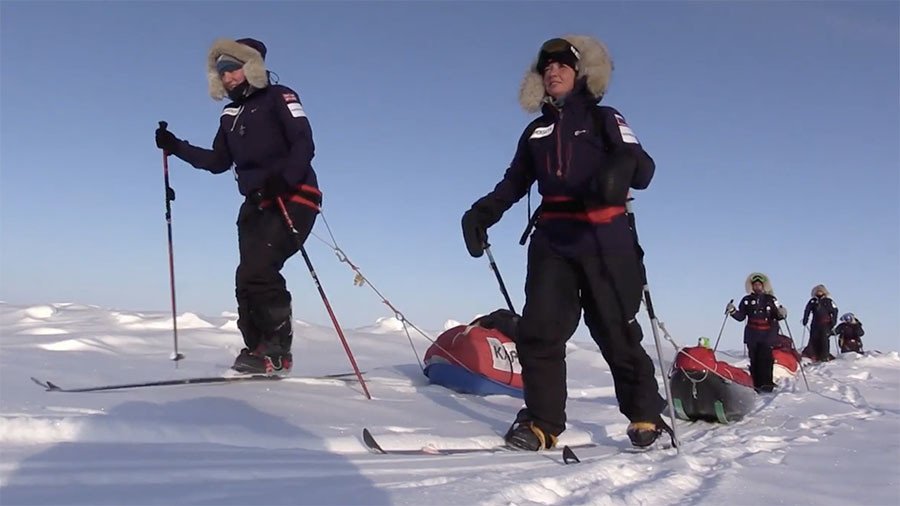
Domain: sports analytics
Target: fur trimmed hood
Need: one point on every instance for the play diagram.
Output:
(595, 65)
(767, 284)
(812, 293)
(250, 51)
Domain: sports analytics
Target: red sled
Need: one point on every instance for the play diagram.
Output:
(704, 388)
(473, 359)
(787, 360)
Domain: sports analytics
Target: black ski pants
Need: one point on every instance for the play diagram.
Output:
(819, 341)
(265, 243)
(761, 363)
(608, 288)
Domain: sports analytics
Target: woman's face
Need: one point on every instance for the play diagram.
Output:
(233, 78)
(559, 80)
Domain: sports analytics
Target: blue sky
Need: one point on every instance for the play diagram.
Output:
(775, 128)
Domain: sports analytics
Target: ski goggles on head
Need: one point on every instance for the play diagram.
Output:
(560, 51)
(227, 63)
(847, 318)
(758, 279)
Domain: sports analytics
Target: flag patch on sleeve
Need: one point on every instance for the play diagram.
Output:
(290, 97)
(625, 131)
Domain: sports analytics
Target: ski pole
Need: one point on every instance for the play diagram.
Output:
(296, 235)
(170, 196)
(654, 326)
(799, 362)
(487, 249)
(803, 342)
(723, 328)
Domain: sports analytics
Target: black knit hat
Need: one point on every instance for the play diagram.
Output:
(255, 44)
(560, 51)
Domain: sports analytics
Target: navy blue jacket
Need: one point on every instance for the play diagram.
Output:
(562, 150)
(268, 133)
(761, 312)
(824, 312)
(850, 331)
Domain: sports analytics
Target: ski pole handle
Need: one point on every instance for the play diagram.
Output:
(163, 125)
(730, 303)
(721, 329)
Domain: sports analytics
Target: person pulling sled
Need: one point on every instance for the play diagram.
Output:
(849, 333)
(821, 313)
(582, 255)
(265, 134)
(762, 311)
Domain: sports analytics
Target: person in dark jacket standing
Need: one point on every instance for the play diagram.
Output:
(583, 255)
(824, 317)
(265, 134)
(762, 311)
(850, 332)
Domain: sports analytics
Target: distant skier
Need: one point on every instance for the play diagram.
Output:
(265, 134)
(824, 316)
(850, 332)
(762, 311)
(582, 255)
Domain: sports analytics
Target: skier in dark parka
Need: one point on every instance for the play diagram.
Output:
(824, 317)
(850, 332)
(265, 134)
(582, 255)
(762, 311)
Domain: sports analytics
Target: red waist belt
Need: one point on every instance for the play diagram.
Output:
(306, 195)
(563, 208)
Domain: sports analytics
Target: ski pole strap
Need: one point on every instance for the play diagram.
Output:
(531, 223)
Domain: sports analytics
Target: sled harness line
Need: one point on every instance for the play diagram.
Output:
(360, 279)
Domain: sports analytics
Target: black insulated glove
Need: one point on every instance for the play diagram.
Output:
(476, 221)
(474, 232)
(611, 186)
(166, 140)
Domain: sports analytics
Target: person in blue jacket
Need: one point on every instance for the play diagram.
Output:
(583, 255)
(850, 332)
(763, 312)
(824, 312)
(265, 135)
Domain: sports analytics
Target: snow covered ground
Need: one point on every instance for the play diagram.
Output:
(297, 441)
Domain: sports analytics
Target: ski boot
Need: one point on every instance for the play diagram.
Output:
(529, 437)
(644, 434)
(272, 355)
(765, 389)
(264, 360)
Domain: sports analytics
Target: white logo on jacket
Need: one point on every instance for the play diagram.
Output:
(542, 132)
